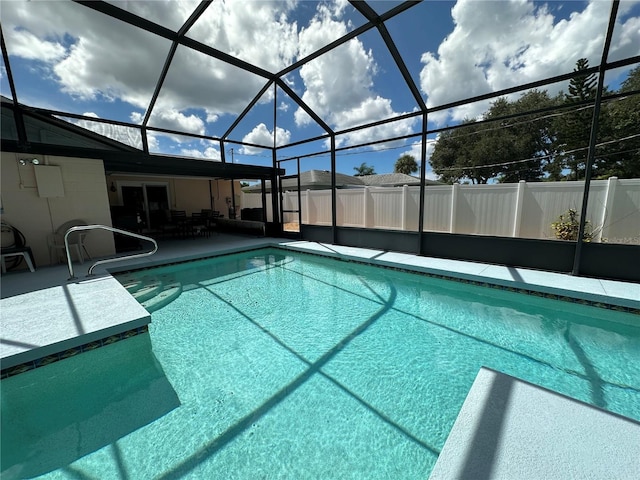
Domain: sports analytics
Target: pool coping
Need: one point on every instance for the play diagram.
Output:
(47, 324)
(508, 428)
(610, 294)
(75, 317)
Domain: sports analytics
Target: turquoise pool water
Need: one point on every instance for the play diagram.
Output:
(276, 365)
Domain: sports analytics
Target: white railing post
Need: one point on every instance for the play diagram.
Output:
(307, 218)
(607, 207)
(517, 219)
(454, 207)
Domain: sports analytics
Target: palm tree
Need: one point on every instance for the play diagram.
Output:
(364, 169)
(406, 164)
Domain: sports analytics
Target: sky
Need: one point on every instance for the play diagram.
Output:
(67, 57)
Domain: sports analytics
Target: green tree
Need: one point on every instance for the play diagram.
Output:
(454, 159)
(406, 164)
(620, 154)
(573, 128)
(523, 143)
(506, 150)
(519, 145)
(364, 169)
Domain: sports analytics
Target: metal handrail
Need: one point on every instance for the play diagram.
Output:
(108, 260)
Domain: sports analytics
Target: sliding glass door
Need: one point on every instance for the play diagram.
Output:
(149, 201)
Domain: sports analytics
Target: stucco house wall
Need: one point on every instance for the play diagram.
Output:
(84, 196)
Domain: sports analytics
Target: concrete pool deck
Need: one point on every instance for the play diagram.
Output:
(44, 313)
(510, 429)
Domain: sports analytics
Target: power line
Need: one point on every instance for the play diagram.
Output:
(542, 157)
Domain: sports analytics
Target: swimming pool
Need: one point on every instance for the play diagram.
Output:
(269, 364)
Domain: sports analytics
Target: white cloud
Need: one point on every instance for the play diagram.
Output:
(261, 135)
(339, 80)
(504, 44)
(208, 153)
(339, 85)
(88, 54)
(493, 45)
(94, 57)
(256, 32)
(173, 119)
(27, 45)
(372, 108)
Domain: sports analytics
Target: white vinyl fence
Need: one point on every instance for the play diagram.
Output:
(522, 209)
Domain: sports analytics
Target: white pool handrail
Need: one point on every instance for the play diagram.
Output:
(108, 260)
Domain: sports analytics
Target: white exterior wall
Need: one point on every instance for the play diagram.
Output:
(85, 197)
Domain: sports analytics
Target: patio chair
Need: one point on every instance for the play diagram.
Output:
(76, 240)
(211, 217)
(176, 223)
(198, 224)
(15, 249)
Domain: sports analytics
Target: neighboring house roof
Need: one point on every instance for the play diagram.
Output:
(321, 180)
(394, 180)
(389, 180)
(311, 180)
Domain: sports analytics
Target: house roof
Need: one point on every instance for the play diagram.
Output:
(311, 180)
(393, 180)
(52, 136)
(321, 180)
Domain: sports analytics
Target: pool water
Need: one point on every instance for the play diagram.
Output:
(269, 364)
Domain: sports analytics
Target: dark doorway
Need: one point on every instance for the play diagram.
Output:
(133, 202)
(149, 202)
(158, 205)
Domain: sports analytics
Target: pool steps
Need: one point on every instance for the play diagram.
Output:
(167, 294)
(151, 292)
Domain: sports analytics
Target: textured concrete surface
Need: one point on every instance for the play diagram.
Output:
(510, 429)
(40, 323)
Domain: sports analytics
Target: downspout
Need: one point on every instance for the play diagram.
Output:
(210, 196)
(233, 200)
